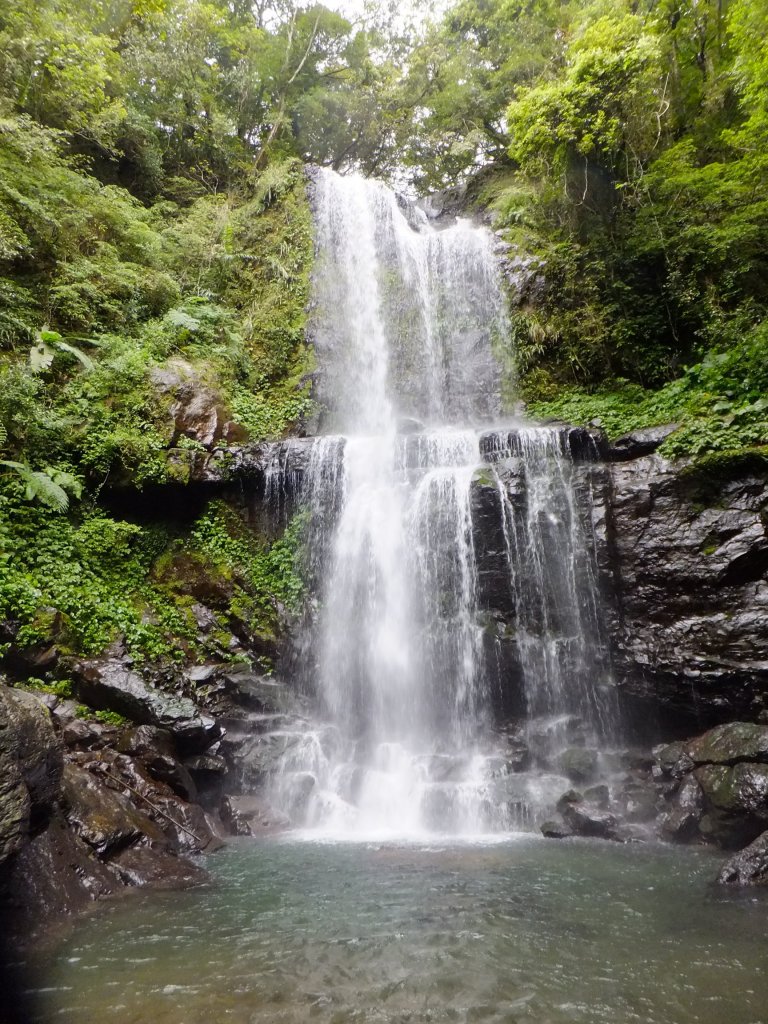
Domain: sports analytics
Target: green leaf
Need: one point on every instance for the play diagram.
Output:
(86, 361)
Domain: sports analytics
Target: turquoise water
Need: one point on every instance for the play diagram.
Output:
(522, 930)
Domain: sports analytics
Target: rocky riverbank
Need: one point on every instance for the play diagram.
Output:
(124, 791)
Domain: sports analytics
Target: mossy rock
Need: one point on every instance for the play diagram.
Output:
(192, 575)
(729, 744)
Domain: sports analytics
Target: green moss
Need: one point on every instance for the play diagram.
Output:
(484, 478)
(722, 466)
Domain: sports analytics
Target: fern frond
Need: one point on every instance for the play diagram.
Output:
(86, 361)
(40, 486)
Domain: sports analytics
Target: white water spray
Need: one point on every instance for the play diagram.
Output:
(406, 317)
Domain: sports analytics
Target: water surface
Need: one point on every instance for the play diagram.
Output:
(515, 930)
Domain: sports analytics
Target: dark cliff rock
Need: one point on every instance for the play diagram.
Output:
(690, 564)
(30, 768)
(88, 808)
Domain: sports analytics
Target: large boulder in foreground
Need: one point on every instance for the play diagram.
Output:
(30, 768)
(720, 785)
(112, 685)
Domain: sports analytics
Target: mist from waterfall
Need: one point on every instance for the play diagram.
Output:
(405, 320)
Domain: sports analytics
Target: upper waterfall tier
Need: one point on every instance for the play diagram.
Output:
(405, 316)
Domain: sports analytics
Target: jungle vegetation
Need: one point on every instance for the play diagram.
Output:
(154, 219)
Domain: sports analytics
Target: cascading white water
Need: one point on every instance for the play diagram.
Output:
(405, 318)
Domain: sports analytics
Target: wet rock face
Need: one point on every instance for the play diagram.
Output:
(112, 684)
(690, 565)
(682, 563)
(749, 866)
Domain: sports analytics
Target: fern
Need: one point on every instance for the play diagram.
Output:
(41, 354)
(46, 486)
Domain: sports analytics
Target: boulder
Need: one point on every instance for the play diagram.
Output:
(183, 824)
(14, 797)
(146, 741)
(156, 749)
(638, 802)
(250, 816)
(112, 685)
(671, 760)
(730, 744)
(639, 443)
(588, 820)
(681, 820)
(556, 828)
(735, 802)
(571, 796)
(749, 866)
(32, 754)
(106, 820)
(579, 764)
(598, 795)
(197, 411)
(89, 735)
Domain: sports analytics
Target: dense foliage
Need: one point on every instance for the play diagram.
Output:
(155, 228)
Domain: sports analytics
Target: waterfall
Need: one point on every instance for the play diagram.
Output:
(396, 652)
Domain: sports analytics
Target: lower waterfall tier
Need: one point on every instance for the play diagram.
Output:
(401, 649)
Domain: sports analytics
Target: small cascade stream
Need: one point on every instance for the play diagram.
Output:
(397, 654)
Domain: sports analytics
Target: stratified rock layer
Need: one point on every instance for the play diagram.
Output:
(689, 563)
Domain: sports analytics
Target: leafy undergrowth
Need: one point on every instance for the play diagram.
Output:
(84, 581)
(94, 302)
(720, 404)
